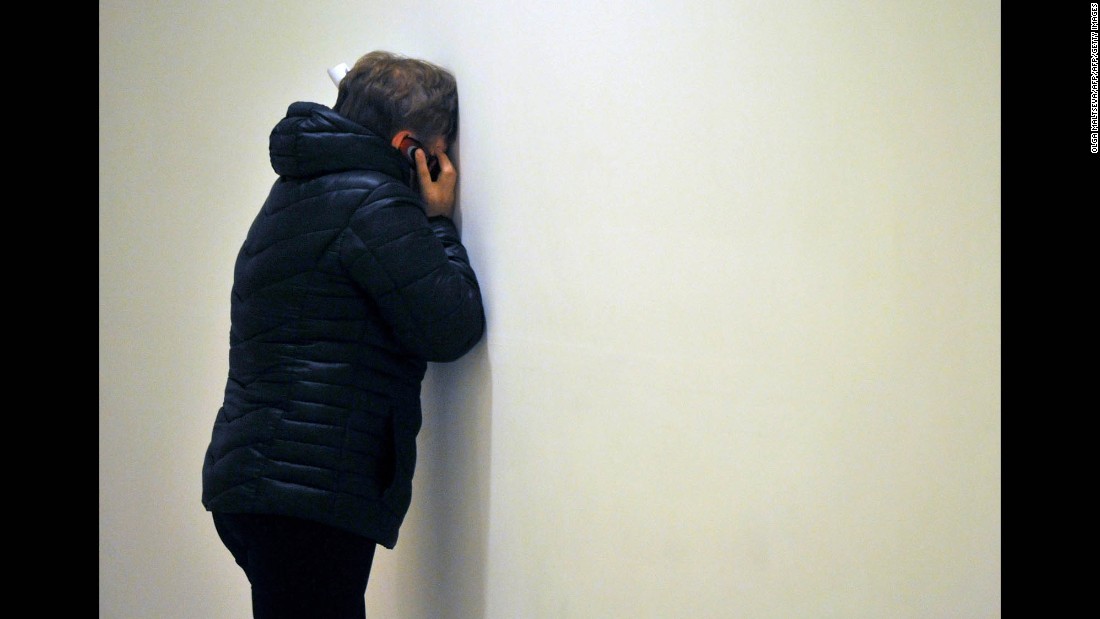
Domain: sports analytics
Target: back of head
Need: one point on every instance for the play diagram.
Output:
(387, 93)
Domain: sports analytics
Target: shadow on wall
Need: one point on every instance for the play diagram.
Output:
(448, 532)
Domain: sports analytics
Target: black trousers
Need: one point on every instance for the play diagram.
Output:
(299, 569)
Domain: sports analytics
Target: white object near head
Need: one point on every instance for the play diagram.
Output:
(338, 72)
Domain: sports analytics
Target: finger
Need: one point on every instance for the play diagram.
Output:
(446, 167)
(421, 162)
(445, 162)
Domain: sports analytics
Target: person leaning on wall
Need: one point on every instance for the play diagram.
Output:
(352, 277)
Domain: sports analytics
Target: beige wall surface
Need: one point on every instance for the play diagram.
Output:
(741, 264)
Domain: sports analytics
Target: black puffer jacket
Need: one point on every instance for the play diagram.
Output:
(342, 292)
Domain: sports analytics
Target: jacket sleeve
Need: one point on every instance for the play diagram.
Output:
(419, 274)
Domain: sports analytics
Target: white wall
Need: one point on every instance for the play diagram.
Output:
(742, 270)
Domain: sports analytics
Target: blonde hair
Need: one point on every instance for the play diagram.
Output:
(387, 93)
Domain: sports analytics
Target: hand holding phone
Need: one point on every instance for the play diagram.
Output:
(438, 192)
(409, 146)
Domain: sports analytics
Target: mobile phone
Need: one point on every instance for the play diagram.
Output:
(409, 146)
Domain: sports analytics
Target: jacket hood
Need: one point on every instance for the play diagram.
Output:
(312, 139)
